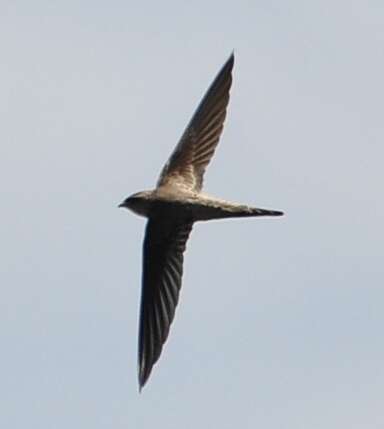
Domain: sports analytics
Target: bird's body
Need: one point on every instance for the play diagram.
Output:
(172, 208)
(194, 206)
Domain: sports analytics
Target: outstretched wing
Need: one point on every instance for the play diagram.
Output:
(164, 245)
(186, 166)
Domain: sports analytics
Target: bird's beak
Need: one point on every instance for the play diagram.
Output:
(121, 205)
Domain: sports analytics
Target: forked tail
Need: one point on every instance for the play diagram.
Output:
(253, 211)
(219, 209)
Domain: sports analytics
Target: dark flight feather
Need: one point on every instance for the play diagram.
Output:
(163, 249)
(187, 164)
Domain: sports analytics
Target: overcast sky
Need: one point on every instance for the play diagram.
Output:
(280, 321)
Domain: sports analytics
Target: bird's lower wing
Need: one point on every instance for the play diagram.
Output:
(164, 244)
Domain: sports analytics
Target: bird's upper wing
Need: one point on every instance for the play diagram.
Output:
(164, 244)
(187, 164)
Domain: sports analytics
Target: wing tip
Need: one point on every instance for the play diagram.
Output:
(228, 65)
(226, 69)
(143, 376)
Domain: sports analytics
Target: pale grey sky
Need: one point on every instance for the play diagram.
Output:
(280, 322)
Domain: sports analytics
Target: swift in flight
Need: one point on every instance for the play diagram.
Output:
(172, 208)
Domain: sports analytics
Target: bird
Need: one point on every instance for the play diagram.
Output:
(172, 208)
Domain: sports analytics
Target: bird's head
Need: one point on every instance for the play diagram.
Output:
(139, 203)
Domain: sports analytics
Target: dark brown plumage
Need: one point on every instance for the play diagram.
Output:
(171, 209)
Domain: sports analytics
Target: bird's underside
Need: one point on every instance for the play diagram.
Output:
(195, 207)
(171, 209)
